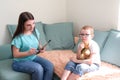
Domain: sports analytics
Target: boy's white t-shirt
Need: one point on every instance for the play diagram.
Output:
(94, 48)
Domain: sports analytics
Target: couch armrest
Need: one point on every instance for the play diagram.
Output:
(5, 51)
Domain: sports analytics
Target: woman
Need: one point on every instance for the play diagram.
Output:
(24, 47)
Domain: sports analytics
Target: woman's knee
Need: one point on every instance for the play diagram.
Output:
(38, 69)
(50, 67)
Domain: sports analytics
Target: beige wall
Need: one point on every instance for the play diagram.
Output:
(102, 14)
(48, 11)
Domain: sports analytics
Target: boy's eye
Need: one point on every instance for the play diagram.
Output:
(84, 34)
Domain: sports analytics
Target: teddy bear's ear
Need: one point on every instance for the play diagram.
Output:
(86, 45)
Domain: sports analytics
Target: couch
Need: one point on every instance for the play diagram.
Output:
(63, 45)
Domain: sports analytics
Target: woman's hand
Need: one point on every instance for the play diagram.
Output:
(42, 50)
(32, 51)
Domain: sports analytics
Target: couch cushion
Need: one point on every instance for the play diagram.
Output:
(11, 29)
(60, 34)
(5, 52)
(43, 41)
(59, 58)
(39, 26)
(100, 37)
(6, 72)
(111, 50)
(76, 45)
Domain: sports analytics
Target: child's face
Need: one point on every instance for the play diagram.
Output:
(85, 35)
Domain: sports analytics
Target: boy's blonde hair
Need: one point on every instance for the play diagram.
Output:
(87, 27)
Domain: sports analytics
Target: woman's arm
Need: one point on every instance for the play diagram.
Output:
(18, 54)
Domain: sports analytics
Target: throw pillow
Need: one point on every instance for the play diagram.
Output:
(5, 52)
(76, 45)
(60, 34)
(11, 28)
(43, 41)
(111, 50)
(100, 37)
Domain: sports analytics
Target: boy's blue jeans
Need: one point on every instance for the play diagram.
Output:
(82, 68)
(39, 68)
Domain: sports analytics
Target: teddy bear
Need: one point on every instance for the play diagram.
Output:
(85, 53)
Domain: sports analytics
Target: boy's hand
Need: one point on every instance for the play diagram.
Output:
(78, 56)
(73, 59)
(82, 45)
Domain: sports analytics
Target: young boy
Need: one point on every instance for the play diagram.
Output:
(76, 67)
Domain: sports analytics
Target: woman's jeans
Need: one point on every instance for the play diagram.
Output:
(39, 68)
(82, 68)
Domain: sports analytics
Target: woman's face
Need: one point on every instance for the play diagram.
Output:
(29, 25)
(85, 35)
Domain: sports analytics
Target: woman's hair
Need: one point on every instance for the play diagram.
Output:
(24, 16)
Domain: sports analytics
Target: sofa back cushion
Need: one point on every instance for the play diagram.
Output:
(100, 37)
(38, 25)
(5, 52)
(111, 50)
(11, 29)
(60, 34)
(76, 46)
(42, 36)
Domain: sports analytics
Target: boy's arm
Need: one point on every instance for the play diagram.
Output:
(80, 47)
(78, 54)
(86, 61)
